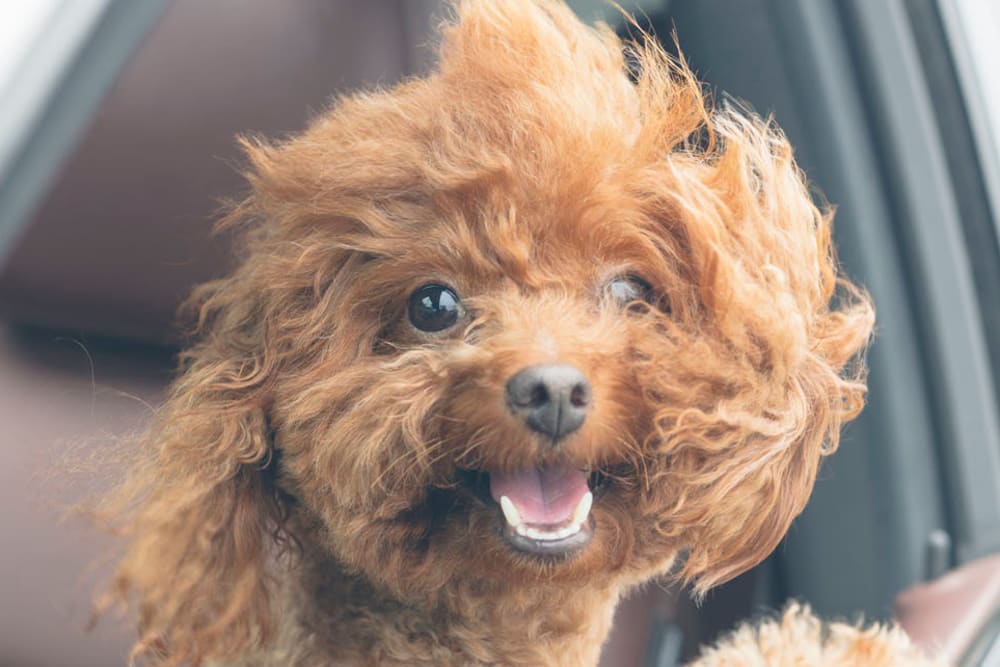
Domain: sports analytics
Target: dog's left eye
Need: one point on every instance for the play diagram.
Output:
(624, 290)
(434, 308)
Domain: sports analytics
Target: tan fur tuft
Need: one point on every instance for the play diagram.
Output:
(798, 639)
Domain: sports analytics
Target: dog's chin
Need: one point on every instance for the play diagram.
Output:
(542, 513)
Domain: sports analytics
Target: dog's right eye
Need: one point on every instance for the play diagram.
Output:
(434, 308)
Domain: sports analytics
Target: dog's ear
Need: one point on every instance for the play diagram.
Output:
(751, 495)
(788, 333)
(199, 509)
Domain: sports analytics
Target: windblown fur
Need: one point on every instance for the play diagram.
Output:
(300, 498)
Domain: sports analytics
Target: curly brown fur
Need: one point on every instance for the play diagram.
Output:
(303, 496)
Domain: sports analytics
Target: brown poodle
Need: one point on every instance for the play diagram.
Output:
(505, 342)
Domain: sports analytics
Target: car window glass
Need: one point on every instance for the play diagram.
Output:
(973, 28)
(21, 23)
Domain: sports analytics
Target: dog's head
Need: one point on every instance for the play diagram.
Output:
(542, 315)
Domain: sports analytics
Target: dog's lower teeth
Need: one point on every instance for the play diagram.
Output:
(514, 520)
(548, 535)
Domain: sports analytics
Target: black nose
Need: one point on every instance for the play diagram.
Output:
(552, 399)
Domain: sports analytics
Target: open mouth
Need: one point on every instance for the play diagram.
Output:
(546, 511)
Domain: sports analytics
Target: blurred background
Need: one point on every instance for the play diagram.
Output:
(117, 127)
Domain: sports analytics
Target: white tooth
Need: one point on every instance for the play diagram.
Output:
(510, 512)
(583, 509)
(548, 535)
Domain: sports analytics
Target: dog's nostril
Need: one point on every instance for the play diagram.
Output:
(539, 396)
(580, 395)
(552, 399)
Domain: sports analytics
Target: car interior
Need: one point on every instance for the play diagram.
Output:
(108, 196)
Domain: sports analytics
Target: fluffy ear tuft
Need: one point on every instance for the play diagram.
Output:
(749, 498)
(787, 334)
(199, 508)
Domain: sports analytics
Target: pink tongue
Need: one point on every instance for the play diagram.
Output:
(542, 497)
